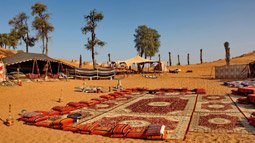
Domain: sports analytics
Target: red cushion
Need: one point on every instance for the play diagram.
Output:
(88, 127)
(37, 119)
(104, 131)
(75, 104)
(63, 122)
(121, 129)
(137, 133)
(251, 98)
(45, 123)
(242, 100)
(70, 128)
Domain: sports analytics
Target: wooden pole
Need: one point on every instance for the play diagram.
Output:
(33, 67)
(169, 56)
(201, 56)
(178, 60)
(80, 64)
(188, 58)
(109, 57)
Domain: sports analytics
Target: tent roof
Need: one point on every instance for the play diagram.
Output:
(23, 57)
(136, 59)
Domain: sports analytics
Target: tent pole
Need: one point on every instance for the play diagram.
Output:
(58, 67)
(33, 67)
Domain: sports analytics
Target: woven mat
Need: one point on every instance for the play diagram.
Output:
(220, 122)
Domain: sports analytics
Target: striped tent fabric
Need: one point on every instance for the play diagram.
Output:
(232, 71)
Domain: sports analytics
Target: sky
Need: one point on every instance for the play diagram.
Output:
(185, 26)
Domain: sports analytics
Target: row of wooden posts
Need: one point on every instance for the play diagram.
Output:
(226, 44)
(169, 55)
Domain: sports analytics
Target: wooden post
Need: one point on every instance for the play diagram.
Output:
(188, 58)
(178, 60)
(80, 64)
(169, 56)
(201, 56)
(109, 57)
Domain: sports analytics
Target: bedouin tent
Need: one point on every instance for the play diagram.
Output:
(141, 61)
(34, 64)
(136, 60)
(252, 69)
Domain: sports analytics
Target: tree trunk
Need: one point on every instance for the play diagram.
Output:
(43, 45)
(93, 35)
(159, 59)
(170, 61)
(26, 41)
(46, 46)
(227, 55)
(178, 60)
(188, 58)
(201, 56)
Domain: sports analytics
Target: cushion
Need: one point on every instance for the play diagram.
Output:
(104, 131)
(153, 130)
(75, 104)
(137, 133)
(37, 119)
(30, 114)
(63, 122)
(88, 128)
(45, 123)
(160, 137)
(63, 108)
(121, 129)
(70, 128)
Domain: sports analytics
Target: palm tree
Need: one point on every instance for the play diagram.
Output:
(19, 24)
(90, 27)
(42, 25)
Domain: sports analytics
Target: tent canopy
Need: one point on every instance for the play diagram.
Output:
(136, 60)
(23, 57)
(26, 63)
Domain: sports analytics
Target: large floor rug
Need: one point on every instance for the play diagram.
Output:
(177, 111)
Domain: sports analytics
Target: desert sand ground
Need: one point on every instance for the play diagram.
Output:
(44, 95)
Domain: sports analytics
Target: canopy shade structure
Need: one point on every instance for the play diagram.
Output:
(136, 60)
(34, 62)
(24, 57)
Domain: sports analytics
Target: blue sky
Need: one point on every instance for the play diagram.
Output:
(185, 26)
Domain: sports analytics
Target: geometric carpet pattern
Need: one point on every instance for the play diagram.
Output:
(218, 113)
(173, 110)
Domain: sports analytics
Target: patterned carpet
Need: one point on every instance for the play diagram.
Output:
(177, 111)
(172, 110)
(218, 113)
